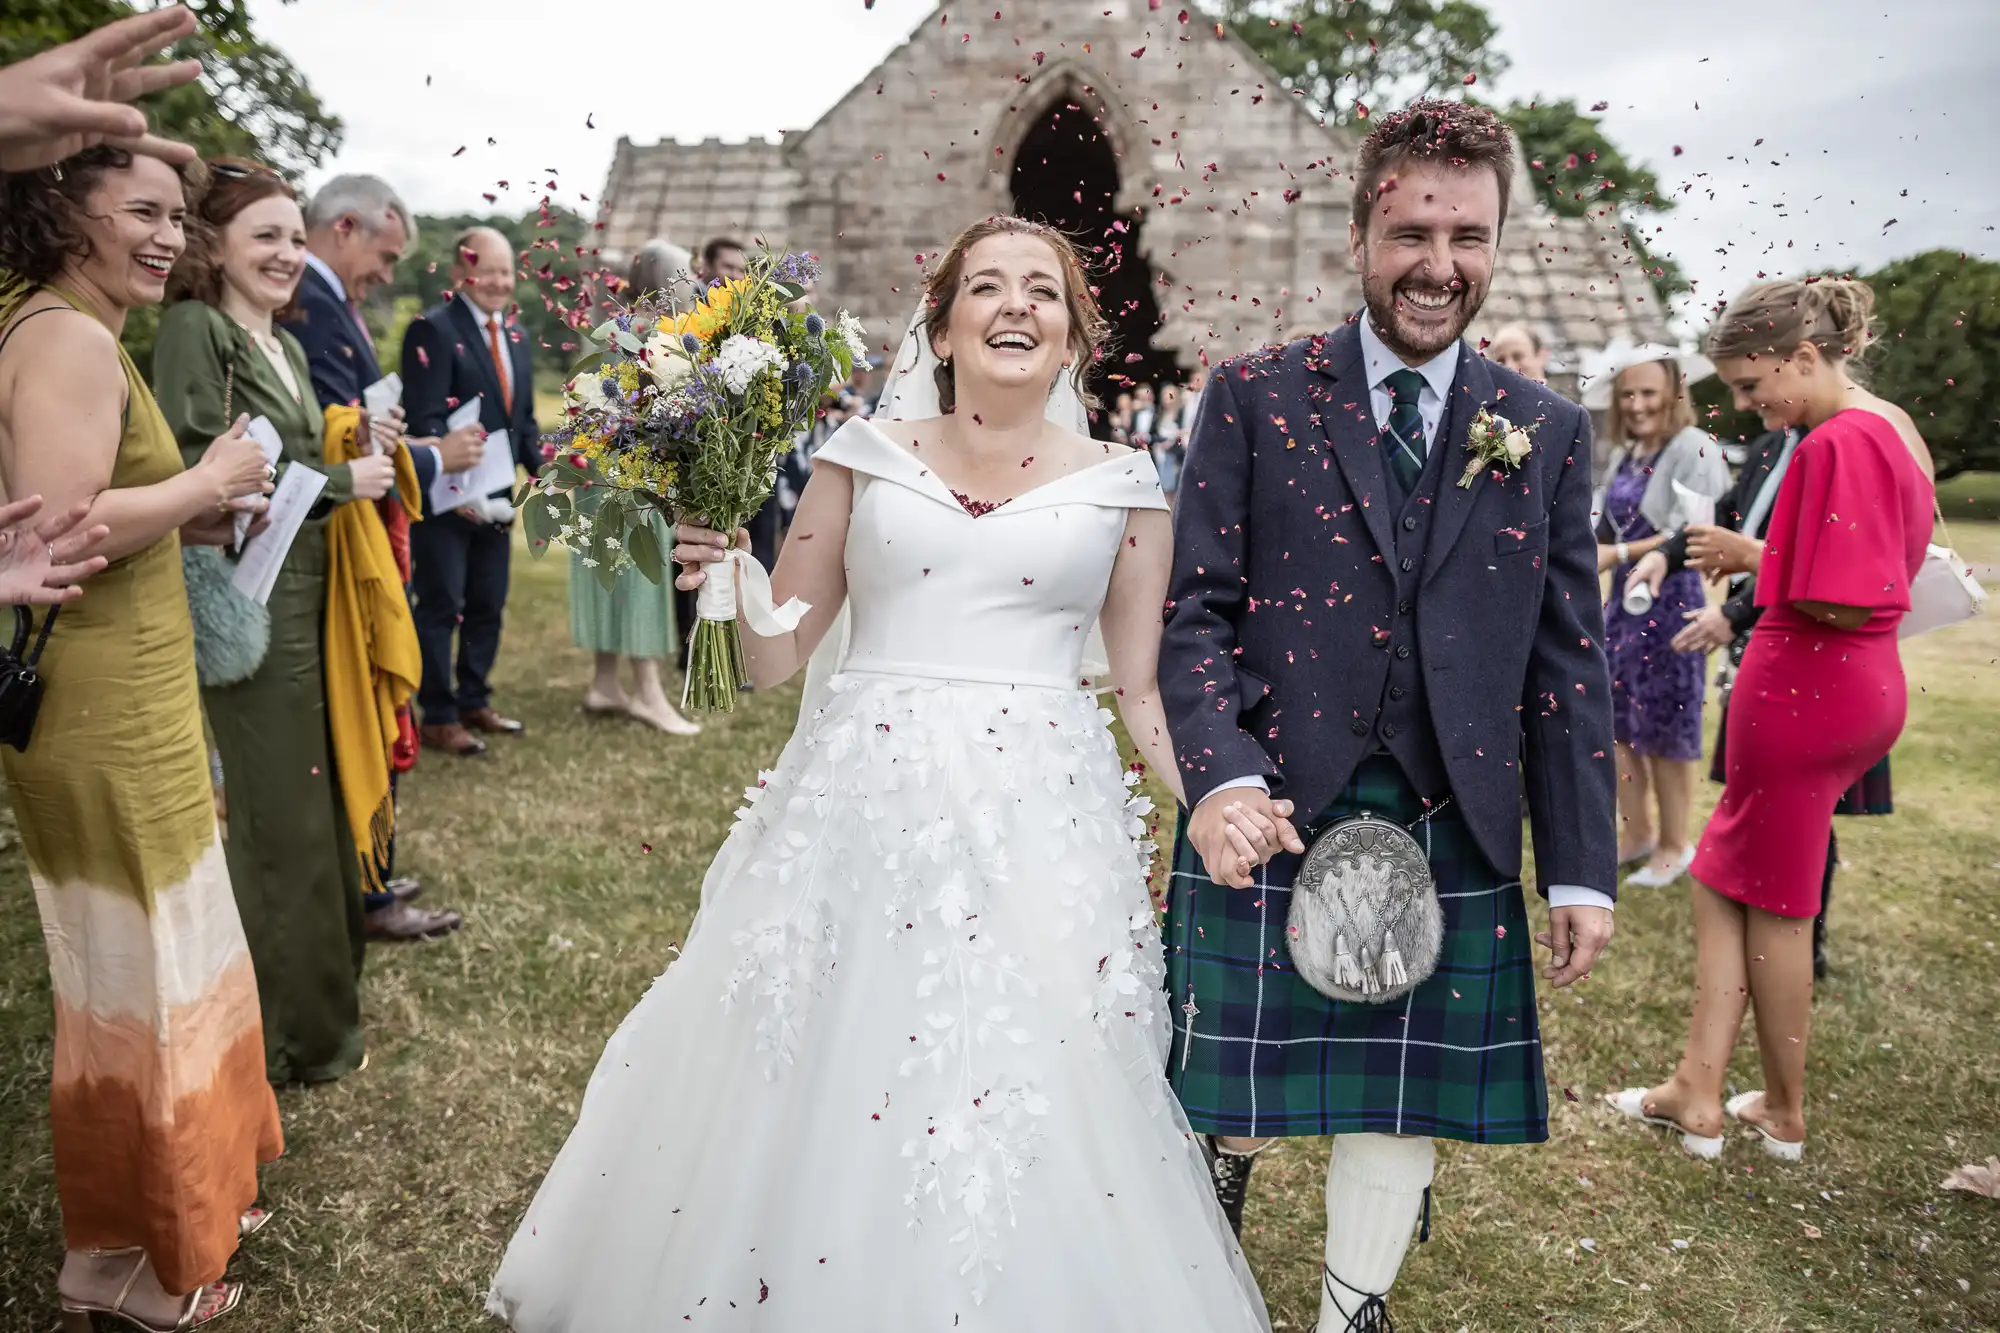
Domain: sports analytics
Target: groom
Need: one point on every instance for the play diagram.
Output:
(1351, 629)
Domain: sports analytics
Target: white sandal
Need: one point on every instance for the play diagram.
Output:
(1639, 856)
(1782, 1149)
(1645, 877)
(1632, 1103)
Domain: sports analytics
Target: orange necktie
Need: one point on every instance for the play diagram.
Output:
(500, 364)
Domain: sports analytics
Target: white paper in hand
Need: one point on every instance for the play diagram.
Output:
(493, 472)
(380, 398)
(1692, 506)
(257, 571)
(383, 394)
(265, 434)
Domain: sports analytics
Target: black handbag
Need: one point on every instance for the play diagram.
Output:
(20, 684)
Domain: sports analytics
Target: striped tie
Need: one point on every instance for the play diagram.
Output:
(1405, 436)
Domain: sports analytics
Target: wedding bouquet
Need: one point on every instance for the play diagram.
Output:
(684, 413)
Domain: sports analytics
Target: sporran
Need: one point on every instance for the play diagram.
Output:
(1365, 923)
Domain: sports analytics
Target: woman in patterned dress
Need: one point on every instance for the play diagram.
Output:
(1656, 692)
(160, 1111)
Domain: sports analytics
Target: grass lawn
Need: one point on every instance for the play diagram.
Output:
(1971, 495)
(577, 852)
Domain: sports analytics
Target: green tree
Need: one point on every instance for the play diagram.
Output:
(250, 99)
(1938, 315)
(1937, 321)
(1577, 169)
(1348, 56)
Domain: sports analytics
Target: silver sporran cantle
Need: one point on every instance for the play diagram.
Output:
(1365, 923)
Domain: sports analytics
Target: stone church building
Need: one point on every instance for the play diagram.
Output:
(1212, 205)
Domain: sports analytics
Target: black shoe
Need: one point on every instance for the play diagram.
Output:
(1231, 1174)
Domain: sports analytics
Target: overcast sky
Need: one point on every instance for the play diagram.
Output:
(1870, 112)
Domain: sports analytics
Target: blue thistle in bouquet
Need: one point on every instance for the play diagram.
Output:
(684, 413)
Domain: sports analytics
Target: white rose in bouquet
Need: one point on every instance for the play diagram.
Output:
(583, 390)
(667, 362)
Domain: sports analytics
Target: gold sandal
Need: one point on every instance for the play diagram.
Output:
(200, 1308)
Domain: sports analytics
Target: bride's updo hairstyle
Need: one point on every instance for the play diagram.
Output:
(1773, 319)
(1087, 325)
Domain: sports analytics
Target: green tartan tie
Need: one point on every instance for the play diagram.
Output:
(1405, 436)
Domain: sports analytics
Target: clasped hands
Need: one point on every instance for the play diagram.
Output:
(1238, 830)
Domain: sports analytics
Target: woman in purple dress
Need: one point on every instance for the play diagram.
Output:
(1656, 692)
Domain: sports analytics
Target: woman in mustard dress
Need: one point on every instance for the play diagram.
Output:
(159, 1107)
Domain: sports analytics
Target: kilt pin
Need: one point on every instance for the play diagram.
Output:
(1361, 626)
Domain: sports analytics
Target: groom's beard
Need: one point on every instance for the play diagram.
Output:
(1398, 324)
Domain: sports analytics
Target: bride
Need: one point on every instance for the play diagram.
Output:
(906, 1074)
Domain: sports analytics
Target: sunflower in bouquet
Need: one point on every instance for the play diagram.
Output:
(683, 413)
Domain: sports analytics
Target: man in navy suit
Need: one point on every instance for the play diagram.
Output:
(1366, 616)
(357, 228)
(468, 347)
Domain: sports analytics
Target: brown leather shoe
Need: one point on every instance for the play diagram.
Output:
(452, 738)
(490, 722)
(401, 921)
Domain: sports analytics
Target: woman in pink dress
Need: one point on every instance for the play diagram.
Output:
(1819, 700)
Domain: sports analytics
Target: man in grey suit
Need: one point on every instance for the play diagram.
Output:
(1373, 612)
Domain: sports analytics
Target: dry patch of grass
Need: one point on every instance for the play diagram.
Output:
(577, 854)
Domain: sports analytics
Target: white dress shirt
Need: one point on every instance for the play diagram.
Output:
(1378, 363)
(318, 265)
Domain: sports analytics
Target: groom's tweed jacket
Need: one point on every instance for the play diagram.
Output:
(1284, 618)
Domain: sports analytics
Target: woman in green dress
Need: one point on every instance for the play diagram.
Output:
(634, 618)
(292, 858)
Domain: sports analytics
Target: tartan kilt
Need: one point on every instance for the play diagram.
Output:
(1258, 1053)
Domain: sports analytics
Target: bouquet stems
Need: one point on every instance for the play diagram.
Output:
(717, 667)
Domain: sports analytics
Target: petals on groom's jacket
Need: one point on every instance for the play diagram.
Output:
(1276, 656)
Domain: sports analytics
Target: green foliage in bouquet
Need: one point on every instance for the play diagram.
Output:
(685, 413)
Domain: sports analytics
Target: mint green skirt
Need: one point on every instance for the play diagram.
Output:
(634, 619)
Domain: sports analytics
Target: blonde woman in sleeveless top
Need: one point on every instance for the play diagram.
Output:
(159, 1108)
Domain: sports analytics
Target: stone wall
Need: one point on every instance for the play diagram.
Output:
(1246, 195)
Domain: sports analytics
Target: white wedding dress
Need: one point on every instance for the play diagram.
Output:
(907, 1071)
